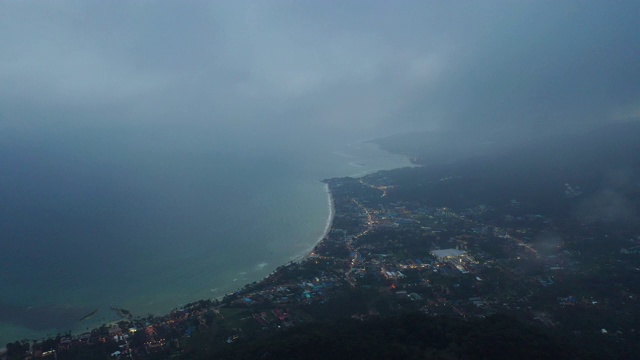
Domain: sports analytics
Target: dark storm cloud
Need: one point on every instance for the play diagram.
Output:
(564, 64)
(608, 206)
(284, 66)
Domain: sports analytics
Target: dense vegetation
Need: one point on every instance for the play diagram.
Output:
(409, 336)
(570, 293)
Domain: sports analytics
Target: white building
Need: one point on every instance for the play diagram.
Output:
(446, 254)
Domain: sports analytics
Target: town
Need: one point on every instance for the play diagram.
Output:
(388, 254)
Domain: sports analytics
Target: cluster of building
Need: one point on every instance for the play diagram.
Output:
(468, 262)
(138, 338)
(473, 261)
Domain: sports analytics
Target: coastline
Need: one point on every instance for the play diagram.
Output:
(306, 254)
(329, 224)
(327, 227)
(331, 204)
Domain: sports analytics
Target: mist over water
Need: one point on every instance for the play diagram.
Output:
(155, 155)
(106, 219)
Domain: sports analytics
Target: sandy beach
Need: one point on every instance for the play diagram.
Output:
(329, 223)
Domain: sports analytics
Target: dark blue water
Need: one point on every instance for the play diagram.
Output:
(107, 219)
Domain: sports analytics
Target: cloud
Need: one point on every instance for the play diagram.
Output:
(358, 67)
(607, 206)
(548, 243)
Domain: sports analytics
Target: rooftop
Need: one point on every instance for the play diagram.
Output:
(446, 253)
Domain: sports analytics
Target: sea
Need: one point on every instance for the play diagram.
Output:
(89, 223)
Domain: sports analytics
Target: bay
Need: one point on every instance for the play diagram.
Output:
(91, 222)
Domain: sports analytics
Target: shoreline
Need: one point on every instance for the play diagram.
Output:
(307, 253)
(329, 223)
(327, 227)
(301, 257)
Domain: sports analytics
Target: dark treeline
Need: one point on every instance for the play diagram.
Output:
(409, 336)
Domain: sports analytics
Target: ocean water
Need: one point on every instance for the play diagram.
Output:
(90, 224)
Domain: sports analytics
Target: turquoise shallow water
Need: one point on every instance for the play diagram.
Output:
(150, 229)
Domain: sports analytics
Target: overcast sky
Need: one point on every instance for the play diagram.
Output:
(283, 67)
